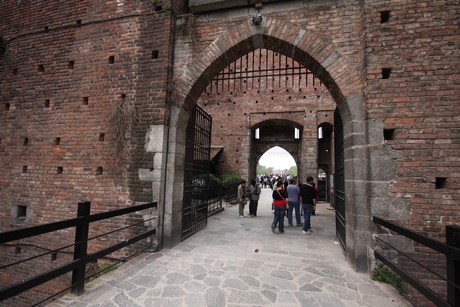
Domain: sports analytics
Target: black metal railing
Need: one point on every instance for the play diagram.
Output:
(80, 254)
(451, 251)
(196, 172)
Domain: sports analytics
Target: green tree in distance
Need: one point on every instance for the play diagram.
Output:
(262, 169)
(293, 170)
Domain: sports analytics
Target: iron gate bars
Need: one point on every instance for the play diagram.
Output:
(197, 168)
(261, 68)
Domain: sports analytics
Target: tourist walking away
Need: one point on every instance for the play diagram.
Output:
(308, 200)
(279, 204)
(293, 202)
(254, 198)
(242, 199)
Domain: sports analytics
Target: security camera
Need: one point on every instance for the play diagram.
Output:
(257, 19)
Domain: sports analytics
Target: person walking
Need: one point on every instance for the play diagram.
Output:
(279, 204)
(242, 199)
(308, 200)
(254, 198)
(293, 202)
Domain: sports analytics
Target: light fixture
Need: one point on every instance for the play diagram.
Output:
(320, 132)
(257, 20)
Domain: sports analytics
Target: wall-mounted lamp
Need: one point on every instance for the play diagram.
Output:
(320, 132)
(257, 20)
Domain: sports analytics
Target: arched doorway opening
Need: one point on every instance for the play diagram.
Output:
(277, 160)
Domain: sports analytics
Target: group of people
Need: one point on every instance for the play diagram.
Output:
(295, 197)
(292, 197)
(252, 193)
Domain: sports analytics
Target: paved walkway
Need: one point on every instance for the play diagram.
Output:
(240, 262)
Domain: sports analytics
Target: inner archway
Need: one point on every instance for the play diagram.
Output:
(283, 134)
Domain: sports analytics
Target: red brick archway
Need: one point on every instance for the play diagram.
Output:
(325, 61)
(262, 145)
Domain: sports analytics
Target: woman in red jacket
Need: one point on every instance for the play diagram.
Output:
(279, 204)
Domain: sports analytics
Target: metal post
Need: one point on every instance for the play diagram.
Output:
(81, 246)
(453, 266)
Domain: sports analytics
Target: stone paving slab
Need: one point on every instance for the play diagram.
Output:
(240, 262)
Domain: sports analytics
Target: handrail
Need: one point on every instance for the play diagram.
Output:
(80, 260)
(431, 243)
(451, 250)
(23, 233)
(18, 234)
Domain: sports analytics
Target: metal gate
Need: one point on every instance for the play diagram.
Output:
(197, 167)
(339, 179)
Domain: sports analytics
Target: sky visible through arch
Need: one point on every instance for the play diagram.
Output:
(278, 158)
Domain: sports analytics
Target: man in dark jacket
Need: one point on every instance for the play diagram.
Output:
(308, 200)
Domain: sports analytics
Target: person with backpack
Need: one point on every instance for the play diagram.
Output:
(254, 197)
(294, 202)
(242, 199)
(280, 199)
(308, 200)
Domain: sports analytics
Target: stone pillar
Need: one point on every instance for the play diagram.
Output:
(245, 157)
(156, 143)
(174, 177)
(309, 151)
(357, 209)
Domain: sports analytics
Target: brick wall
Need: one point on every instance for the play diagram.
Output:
(246, 109)
(406, 54)
(64, 71)
(415, 44)
(60, 87)
(67, 66)
(419, 100)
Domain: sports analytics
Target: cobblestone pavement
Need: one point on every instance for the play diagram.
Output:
(239, 262)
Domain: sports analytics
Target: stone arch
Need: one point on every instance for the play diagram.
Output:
(321, 57)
